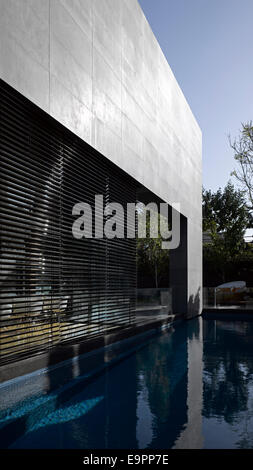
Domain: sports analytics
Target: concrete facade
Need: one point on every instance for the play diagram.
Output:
(96, 67)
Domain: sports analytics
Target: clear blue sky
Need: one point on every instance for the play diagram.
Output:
(209, 46)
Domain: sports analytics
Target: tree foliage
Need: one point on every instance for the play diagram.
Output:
(243, 154)
(226, 218)
(151, 258)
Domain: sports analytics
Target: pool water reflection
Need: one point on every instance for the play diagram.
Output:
(187, 388)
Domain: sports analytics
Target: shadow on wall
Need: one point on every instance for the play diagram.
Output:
(194, 304)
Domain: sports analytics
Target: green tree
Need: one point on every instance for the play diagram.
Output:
(226, 218)
(150, 255)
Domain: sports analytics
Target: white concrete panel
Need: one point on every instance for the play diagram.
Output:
(109, 10)
(132, 136)
(107, 142)
(131, 109)
(131, 24)
(74, 78)
(150, 157)
(27, 25)
(20, 71)
(105, 79)
(150, 130)
(106, 111)
(81, 12)
(131, 80)
(107, 33)
(68, 110)
(71, 36)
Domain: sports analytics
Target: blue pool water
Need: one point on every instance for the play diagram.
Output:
(188, 387)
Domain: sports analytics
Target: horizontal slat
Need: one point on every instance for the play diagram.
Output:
(55, 289)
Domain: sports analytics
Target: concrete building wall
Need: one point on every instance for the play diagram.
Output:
(95, 66)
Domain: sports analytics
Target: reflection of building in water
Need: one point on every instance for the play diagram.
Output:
(162, 391)
(192, 436)
(144, 426)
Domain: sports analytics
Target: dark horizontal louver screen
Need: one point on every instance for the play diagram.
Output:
(55, 288)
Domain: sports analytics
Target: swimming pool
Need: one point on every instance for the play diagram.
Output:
(188, 387)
